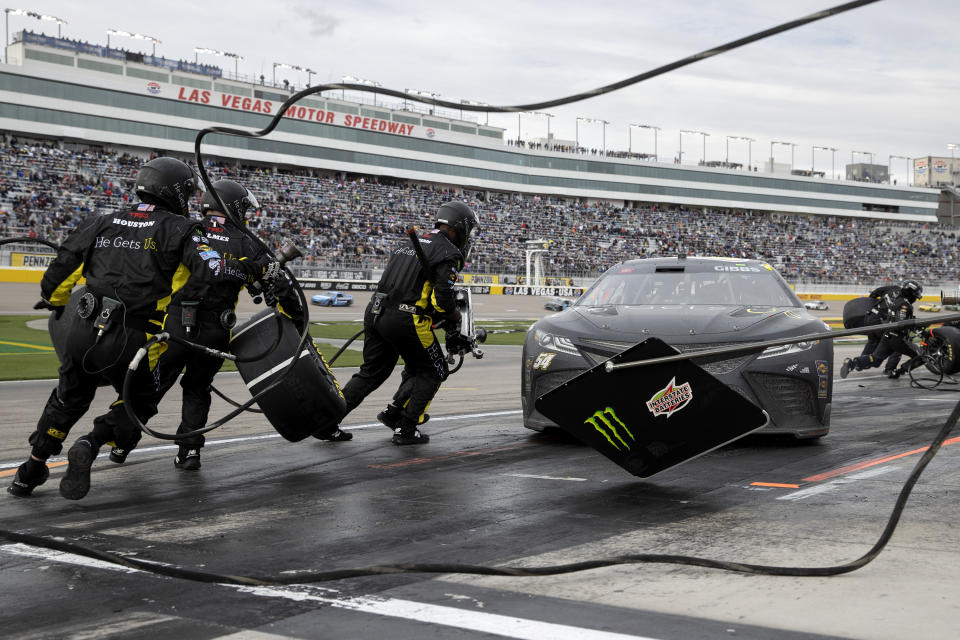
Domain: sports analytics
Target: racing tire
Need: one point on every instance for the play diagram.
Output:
(855, 312)
(946, 343)
(309, 399)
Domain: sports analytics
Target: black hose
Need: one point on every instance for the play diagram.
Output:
(291, 578)
(52, 245)
(345, 345)
(231, 401)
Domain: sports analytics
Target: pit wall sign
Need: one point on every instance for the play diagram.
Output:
(297, 112)
(327, 284)
(31, 260)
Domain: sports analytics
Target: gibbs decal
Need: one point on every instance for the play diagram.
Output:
(670, 399)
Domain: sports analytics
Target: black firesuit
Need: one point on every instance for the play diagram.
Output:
(886, 295)
(138, 258)
(208, 308)
(410, 297)
(893, 307)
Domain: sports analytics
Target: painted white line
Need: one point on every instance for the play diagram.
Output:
(834, 484)
(266, 374)
(269, 436)
(530, 475)
(952, 400)
(492, 623)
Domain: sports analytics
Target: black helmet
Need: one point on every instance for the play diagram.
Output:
(168, 183)
(911, 290)
(461, 218)
(235, 196)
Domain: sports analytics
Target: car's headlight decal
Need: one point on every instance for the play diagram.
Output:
(556, 343)
(787, 349)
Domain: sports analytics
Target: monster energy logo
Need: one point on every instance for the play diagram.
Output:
(603, 421)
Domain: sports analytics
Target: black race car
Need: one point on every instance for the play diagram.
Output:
(692, 304)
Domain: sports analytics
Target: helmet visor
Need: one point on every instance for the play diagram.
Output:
(198, 181)
(252, 202)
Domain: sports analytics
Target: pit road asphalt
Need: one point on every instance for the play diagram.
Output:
(487, 491)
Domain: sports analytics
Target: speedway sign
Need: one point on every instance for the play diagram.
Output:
(311, 114)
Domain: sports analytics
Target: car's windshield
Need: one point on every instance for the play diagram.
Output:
(627, 287)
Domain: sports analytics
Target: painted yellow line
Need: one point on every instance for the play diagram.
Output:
(30, 346)
(50, 465)
(27, 353)
(774, 484)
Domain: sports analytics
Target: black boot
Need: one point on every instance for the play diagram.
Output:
(30, 474)
(76, 482)
(406, 434)
(337, 435)
(187, 459)
(390, 416)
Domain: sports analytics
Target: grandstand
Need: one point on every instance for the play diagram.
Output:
(343, 179)
(352, 223)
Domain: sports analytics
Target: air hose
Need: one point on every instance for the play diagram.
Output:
(310, 577)
(338, 574)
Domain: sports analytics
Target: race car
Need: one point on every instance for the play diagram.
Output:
(332, 299)
(557, 304)
(818, 305)
(929, 306)
(691, 304)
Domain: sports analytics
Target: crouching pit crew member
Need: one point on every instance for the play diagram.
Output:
(132, 261)
(885, 295)
(398, 322)
(208, 318)
(896, 304)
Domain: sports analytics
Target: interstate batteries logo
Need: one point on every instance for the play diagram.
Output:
(670, 399)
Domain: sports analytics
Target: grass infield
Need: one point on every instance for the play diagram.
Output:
(27, 353)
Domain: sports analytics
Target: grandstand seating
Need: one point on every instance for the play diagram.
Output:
(47, 188)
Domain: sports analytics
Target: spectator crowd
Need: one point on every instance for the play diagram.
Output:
(46, 189)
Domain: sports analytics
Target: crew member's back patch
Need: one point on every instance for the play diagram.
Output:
(647, 419)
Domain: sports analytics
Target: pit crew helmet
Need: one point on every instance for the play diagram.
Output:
(463, 220)
(235, 196)
(911, 290)
(167, 183)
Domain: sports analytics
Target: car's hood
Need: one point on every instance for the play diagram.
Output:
(684, 323)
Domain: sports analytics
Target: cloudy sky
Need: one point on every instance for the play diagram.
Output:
(880, 79)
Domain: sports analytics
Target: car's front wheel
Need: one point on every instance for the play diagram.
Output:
(944, 346)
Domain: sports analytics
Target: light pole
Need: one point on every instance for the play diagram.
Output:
(475, 104)
(953, 147)
(655, 130)
(790, 144)
(698, 133)
(426, 94)
(749, 142)
(135, 36)
(890, 168)
(593, 121)
(355, 80)
(292, 67)
(223, 54)
(30, 14)
(545, 115)
(833, 151)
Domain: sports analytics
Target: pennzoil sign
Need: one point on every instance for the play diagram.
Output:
(670, 399)
(33, 260)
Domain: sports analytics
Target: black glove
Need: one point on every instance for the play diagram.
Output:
(457, 343)
(271, 295)
(46, 304)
